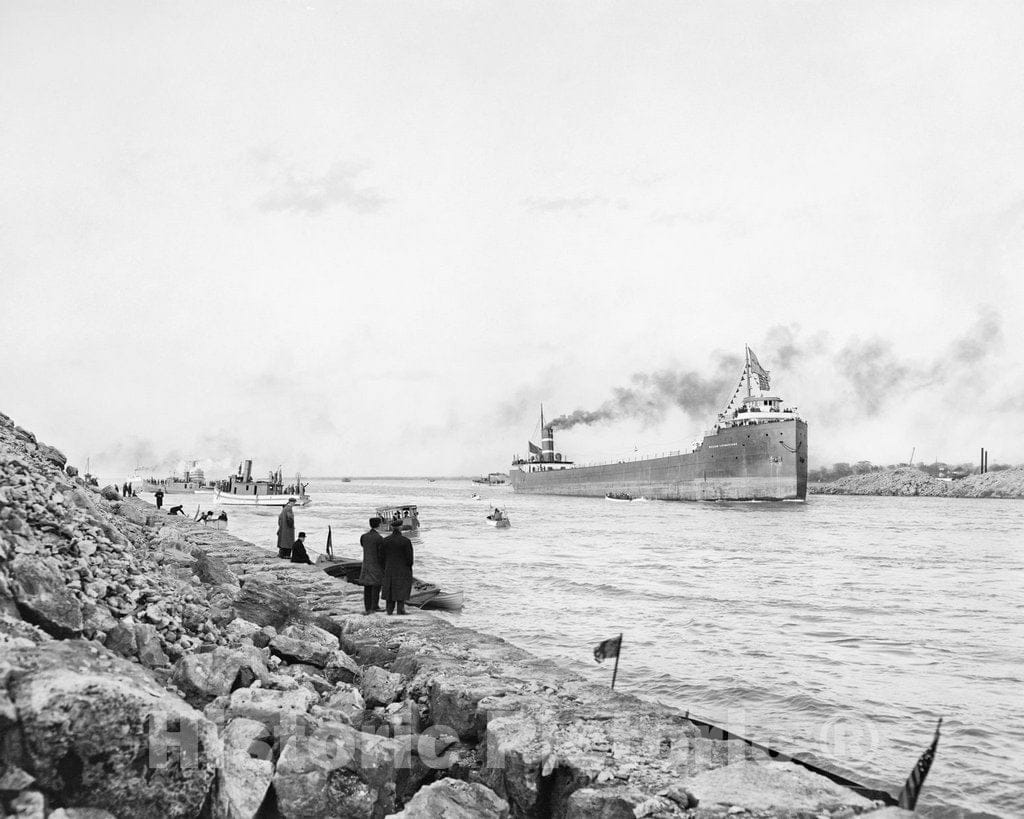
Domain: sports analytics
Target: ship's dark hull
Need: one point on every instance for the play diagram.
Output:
(755, 462)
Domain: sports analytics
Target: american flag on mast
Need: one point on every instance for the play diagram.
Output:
(756, 369)
(912, 789)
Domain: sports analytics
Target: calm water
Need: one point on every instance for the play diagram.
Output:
(842, 628)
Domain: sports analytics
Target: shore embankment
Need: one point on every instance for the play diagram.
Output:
(150, 666)
(908, 482)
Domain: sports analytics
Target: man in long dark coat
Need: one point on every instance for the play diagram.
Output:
(397, 585)
(159, 495)
(286, 529)
(372, 573)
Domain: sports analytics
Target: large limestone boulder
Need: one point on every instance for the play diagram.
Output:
(43, 598)
(380, 687)
(242, 785)
(102, 733)
(768, 786)
(110, 492)
(267, 603)
(341, 668)
(305, 643)
(213, 571)
(121, 639)
(151, 652)
(136, 511)
(603, 803)
(202, 677)
(455, 799)
(339, 771)
(345, 703)
(250, 736)
(272, 708)
(53, 455)
(516, 753)
(454, 701)
(240, 629)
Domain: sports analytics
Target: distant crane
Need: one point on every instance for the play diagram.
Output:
(912, 451)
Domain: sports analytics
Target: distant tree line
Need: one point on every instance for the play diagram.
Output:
(826, 474)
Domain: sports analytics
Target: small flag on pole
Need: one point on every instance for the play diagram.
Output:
(330, 545)
(608, 648)
(912, 789)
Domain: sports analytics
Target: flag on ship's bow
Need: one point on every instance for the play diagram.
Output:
(912, 789)
(758, 370)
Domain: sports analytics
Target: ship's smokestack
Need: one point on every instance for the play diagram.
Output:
(248, 471)
(547, 444)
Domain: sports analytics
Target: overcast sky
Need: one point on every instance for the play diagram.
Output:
(371, 238)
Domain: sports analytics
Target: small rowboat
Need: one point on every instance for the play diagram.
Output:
(448, 601)
(618, 496)
(424, 595)
(504, 523)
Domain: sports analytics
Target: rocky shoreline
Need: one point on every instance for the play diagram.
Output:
(152, 667)
(909, 482)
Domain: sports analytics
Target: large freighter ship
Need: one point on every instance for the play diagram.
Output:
(757, 450)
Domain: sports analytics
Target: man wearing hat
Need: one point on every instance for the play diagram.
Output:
(286, 530)
(299, 554)
(371, 574)
(396, 586)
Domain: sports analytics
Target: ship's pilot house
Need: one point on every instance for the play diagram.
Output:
(756, 409)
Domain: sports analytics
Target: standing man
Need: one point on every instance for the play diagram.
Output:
(286, 529)
(159, 497)
(397, 584)
(299, 550)
(372, 573)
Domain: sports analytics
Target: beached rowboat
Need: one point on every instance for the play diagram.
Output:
(424, 594)
(448, 601)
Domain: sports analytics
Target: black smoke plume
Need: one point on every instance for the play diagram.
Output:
(651, 395)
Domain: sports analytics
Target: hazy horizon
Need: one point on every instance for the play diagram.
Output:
(376, 237)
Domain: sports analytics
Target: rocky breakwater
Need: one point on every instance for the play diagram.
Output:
(151, 667)
(907, 481)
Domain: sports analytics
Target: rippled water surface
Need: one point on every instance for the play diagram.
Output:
(842, 627)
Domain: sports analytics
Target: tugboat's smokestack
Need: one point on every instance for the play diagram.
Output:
(547, 444)
(248, 471)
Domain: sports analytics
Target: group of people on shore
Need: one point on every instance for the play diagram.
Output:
(387, 568)
(387, 561)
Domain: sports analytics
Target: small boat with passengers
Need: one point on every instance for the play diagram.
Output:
(406, 514)
(499, 519)
(618, 496)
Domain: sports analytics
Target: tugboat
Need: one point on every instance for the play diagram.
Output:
(193, 481)
(241, 489)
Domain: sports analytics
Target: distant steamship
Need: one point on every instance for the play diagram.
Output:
(757, 450)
